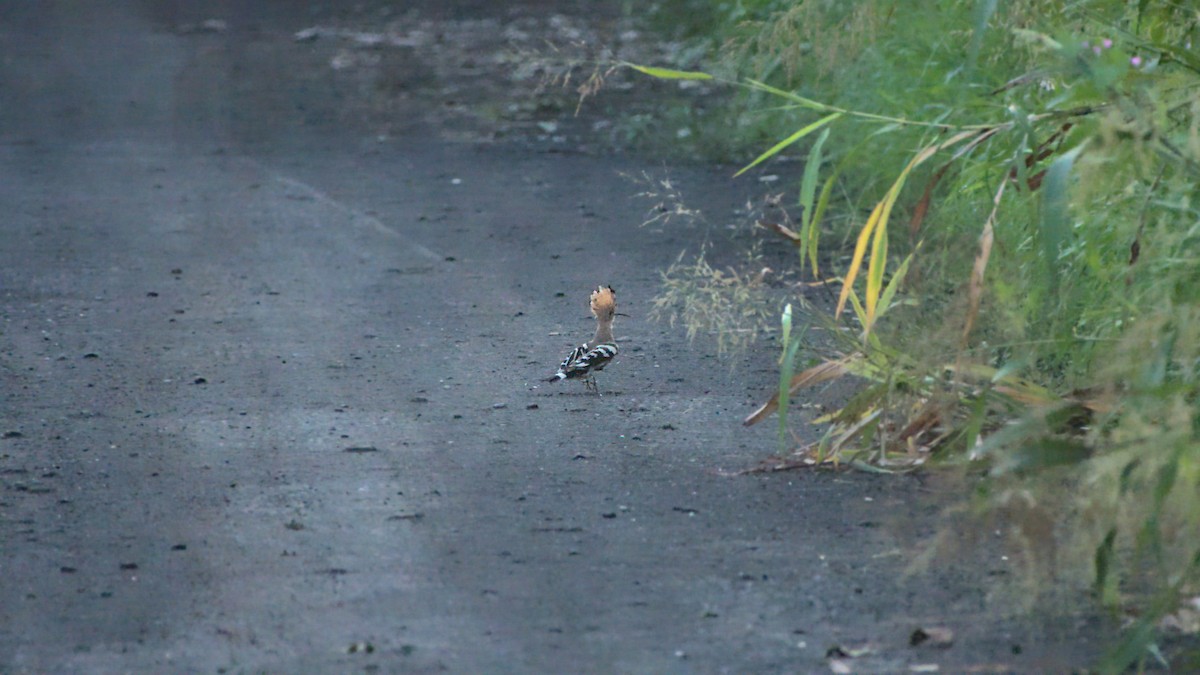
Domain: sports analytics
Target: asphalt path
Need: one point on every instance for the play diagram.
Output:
(272, 401)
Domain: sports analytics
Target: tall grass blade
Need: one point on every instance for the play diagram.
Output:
(875, 268)
(879, 218)
(796, 98)
(983, 14)
(885, 300)
(778, 147)
(787, 360)
(859, 311)
(814, 232)
(1129, 650)
(1056, 215)
(860, 250)
(669, 74)
(1106, 579)
(786, 375)
(808, 193)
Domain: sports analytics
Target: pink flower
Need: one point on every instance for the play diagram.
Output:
(1096, 50)
(1107, 43)
(1136, 62)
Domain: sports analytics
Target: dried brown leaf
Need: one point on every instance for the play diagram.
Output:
(823, 372)
(975, 289)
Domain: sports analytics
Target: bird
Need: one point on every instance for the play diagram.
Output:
(591, 357)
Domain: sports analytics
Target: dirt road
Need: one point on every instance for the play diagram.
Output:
(272, 395)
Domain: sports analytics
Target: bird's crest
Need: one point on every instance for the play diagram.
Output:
(604, 302)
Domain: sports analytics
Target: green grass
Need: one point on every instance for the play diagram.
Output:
(1024, 293)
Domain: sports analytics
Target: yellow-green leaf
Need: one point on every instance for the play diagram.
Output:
(669, 74)
(885, 300)
(860, 250)
(806, 102)
(775, 149)
(877, 264)
(879, 218)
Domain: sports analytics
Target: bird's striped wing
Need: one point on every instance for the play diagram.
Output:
(569, 362)
(595, 359)
(573, 357)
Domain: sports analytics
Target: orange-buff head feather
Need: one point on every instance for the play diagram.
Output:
(604, 302)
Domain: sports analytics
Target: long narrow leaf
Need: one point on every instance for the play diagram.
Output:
(1055, 227)
(876, 266)
(975, 288)
(808, 193)
(885, 300)
(879, 217)
(858, 309)
(812, 169)
(805, 102)
(669, 74)
(1106, 579)
(814, 229)
(775, 149)
(787, 360)
(860, 250)
(983, 14)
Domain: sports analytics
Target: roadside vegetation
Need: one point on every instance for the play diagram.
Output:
(1003, 198)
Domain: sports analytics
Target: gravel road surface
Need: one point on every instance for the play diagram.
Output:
(271, 385)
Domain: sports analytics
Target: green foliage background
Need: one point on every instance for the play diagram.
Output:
(1092, 283)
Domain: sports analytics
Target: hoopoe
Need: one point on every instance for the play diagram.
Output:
(585, 361)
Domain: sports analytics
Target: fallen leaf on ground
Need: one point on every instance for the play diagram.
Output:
(932, 636)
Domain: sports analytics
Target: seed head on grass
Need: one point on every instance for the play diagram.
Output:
(729, 304)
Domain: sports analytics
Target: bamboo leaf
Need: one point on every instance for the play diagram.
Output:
(808, 192)
(983, 14)
(975, 288)
(875, 269)
(1180, 54)
(885, 300)
(859, 311)
(860, 250)
(1055, 227)
(1129, 649)
(808, 184)
(791, 345)
(879, 218)
(814, 229)
(669, 74)
(775, 149)
(1106, 580)
(805, 102)
(785, 375)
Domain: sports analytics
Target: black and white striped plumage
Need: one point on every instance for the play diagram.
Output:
(569, 361)
(585, 361)
(582, 362)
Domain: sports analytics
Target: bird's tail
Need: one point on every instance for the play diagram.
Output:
(557, 376)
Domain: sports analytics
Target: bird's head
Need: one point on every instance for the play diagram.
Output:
(604, 302)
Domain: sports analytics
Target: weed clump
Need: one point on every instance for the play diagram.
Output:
(1021, 290)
